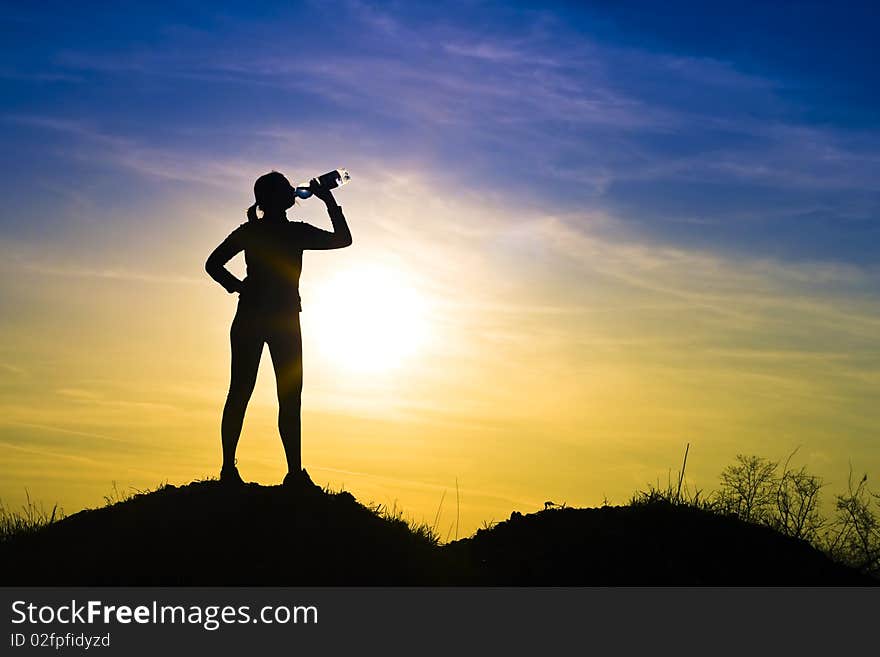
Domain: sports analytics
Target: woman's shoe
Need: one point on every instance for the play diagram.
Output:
(229, 475)
(300, 481)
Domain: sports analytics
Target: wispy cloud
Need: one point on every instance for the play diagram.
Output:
(63, 430)
(541, 101)
(111, 274)
(96, 398)
(13, 369)
(52, 454)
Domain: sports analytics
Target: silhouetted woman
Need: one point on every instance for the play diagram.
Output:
(268, 310)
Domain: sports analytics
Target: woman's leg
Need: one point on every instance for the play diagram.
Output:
(247, 347)
(285, 347)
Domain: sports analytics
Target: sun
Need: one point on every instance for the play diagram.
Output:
(368, 319)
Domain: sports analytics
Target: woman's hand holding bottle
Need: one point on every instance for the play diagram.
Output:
(322, 192)
(317, 186)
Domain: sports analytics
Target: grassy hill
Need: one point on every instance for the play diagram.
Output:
(205, 533)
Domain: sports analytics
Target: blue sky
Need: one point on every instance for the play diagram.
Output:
(751, 129)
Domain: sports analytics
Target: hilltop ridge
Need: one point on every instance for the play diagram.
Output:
(205, 533)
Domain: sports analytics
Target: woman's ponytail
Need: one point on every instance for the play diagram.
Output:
(252, 212)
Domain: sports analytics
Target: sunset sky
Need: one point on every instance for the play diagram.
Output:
(584, 236)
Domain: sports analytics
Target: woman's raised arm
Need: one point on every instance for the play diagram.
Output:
(315, 238)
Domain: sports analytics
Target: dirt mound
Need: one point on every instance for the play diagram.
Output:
(206, 533)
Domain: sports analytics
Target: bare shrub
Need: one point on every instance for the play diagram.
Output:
(748, 489)
(797, 503)
(853, 536)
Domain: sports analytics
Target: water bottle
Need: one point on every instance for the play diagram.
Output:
(330, 180)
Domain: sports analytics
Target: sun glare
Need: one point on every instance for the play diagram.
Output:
(368, 319)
